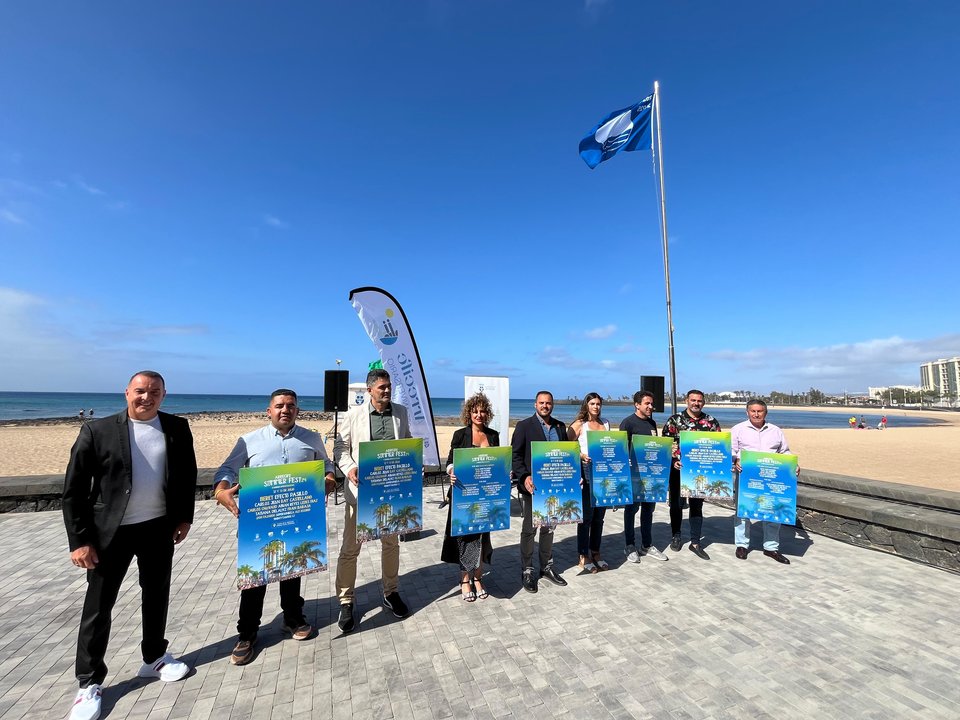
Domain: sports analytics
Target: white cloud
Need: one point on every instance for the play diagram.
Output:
(600, 333)
(87, 187)
(842, 366)
(11, 217)
(275, 222)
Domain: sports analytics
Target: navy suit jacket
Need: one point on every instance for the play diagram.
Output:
(525, 432)
(97, 485)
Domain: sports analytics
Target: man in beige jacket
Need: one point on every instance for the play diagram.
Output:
(377, 419)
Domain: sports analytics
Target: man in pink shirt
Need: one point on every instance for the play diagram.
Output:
(755, 433)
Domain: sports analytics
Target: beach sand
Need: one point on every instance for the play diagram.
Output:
(928, 457)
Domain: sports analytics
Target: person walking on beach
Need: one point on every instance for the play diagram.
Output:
(128, 492)
(755, 433)
(640, 423)
(590, 531)
(883, 423)
(541, 426)
(376, 419)
(280, 442)
(693, 418)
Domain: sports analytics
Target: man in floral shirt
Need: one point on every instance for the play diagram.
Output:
(693, 418)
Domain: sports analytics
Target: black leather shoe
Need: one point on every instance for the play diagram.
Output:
(742, 553)
(553, 576)
(676, 543)
(529, 581)
(346, 622)
(699, 551)
(775, 554)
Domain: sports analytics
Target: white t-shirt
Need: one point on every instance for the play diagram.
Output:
(148, 450)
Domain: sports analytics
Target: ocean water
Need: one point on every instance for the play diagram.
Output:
(25, 406)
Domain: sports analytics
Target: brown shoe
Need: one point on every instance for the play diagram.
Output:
(776, 555)
(243, 652)
(299, 632)
(742, 553)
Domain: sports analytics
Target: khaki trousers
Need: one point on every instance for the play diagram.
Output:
(350, 550)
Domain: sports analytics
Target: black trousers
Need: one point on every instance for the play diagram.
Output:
(151, 543)
(251, 607)
(676, 510)
(590, 531)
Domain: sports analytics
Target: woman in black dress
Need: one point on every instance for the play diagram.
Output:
(470, 551)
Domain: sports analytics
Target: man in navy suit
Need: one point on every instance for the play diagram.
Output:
(128, 492)
(540, 426)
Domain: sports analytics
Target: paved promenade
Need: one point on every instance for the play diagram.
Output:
(840, 633)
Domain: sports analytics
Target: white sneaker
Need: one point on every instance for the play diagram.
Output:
(654, 553)
(166, 668)
(87, 704)
(632, 555)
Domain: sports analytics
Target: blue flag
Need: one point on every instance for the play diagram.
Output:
(623, 129)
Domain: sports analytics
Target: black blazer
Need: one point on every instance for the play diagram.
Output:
(449, 552)
(525, 432)
(97, 485)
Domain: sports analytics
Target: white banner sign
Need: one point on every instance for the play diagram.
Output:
(497, 390)
(387, 326)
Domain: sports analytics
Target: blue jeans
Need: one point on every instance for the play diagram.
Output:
(771, 534)
(646, 523)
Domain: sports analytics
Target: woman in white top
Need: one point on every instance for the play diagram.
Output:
(590, 531)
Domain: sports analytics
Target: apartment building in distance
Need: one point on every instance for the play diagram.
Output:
(942, 377)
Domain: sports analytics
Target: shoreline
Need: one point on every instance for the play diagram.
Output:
(927, 456)
(945, 416)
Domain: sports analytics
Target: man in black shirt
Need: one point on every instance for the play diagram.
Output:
(640, 423)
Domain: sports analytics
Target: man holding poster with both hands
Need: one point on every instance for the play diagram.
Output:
(280, 442)
(755, 433)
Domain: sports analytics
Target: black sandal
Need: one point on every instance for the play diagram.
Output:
(469, 596)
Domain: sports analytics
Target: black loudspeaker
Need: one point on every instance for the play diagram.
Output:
(653, 384)
(336, 383)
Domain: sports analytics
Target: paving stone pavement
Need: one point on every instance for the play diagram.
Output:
(842, 632)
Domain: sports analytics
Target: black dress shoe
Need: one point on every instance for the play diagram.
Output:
(698, 551)
(742, 553)
(553, 576)
(775, 554)
(676, 543)
(529, 581)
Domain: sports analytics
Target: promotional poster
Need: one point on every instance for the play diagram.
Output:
(555, 467)
(767, 487)
(706, 464)
(282, 530)
(390, 490)
(481, 495)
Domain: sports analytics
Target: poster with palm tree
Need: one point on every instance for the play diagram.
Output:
(282, 531)
(767, 487)
(609, 468)
(652, 456)
(390, 489)
(480, 500)
(706, 464)
(555, 467)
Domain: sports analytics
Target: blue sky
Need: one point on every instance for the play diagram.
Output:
(196, 187)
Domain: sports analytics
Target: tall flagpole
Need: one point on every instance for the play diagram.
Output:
(666, 252)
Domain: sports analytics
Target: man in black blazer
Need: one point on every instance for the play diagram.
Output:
(128, 491)
(540, 426)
